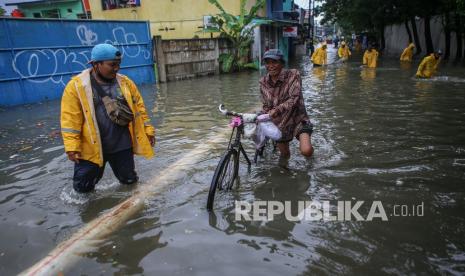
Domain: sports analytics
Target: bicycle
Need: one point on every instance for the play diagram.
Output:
(226, 171)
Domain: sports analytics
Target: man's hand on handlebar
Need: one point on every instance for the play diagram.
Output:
(263, 117)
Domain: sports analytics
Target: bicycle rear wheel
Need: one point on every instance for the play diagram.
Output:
(225, 174)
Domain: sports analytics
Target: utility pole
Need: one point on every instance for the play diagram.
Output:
(310, 26)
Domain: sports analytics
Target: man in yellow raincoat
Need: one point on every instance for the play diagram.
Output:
(407, 54)
(344, 52)
(319, 56)
(103, 119)
(370, 57)
(429, 65)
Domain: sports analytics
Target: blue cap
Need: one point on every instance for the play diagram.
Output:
(104, 51)
(275, 54)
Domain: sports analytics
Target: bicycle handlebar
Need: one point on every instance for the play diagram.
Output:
(246, 117)
(226, 112)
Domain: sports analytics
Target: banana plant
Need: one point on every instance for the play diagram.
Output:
(239, 31)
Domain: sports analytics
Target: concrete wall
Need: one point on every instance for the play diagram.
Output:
(170, 19)
(36, 66)
(187, 58)
(397, 37)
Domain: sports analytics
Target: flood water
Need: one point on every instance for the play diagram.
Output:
(380, 135)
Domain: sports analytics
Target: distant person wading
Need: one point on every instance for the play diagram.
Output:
(344, 52)
(429, 65)
(370, 57)
(319, 57)
(407, 54)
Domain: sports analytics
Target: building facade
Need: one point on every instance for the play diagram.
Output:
(186, 19)
(65, 9)
(281, 15)
(170, 19)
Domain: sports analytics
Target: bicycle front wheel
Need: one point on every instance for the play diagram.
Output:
(225, 174)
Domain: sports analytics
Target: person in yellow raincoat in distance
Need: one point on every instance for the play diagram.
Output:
(319, 56)
(429, 65)
(407, 54)
(344, 52)
(370, 57)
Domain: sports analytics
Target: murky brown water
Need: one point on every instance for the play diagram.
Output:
(380, 135)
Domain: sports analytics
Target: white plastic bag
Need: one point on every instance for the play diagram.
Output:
(249, 124)
(270, 130)
(250, 130)
(266, 130)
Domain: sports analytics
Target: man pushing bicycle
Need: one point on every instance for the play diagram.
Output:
(283, 104)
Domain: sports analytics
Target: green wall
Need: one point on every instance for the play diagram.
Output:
(75, 6)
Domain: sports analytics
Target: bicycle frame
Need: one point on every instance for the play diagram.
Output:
(236, 144)
(234, 150)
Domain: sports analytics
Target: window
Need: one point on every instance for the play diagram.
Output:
(84, 15)
(70, 10)
(119, 4)
(208, 24)
(51, 13)
(36, 15)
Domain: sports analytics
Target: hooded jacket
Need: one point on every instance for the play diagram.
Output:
(79, 126)
(370, 58)
(344, 52)
(428, 67)
(407, 54)
(319, 56)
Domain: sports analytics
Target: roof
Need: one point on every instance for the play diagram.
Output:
(27, 2)
(276, 22)
(282, 22)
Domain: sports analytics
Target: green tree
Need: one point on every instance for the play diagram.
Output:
(239, 31)
(460, 14)
(2, 11)
(461, 6)
(373, 15)
(368, 16)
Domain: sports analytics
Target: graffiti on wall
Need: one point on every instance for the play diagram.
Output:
(86, 36)
(32, 64)
(121, 37)
(54, 65)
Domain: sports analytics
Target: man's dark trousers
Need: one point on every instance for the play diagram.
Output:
(87, 174)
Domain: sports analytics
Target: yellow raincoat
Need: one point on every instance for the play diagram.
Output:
(79, 126)
(319, 56)
(428, 66)
(344, 52)
(407, 54)
(370, 58)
